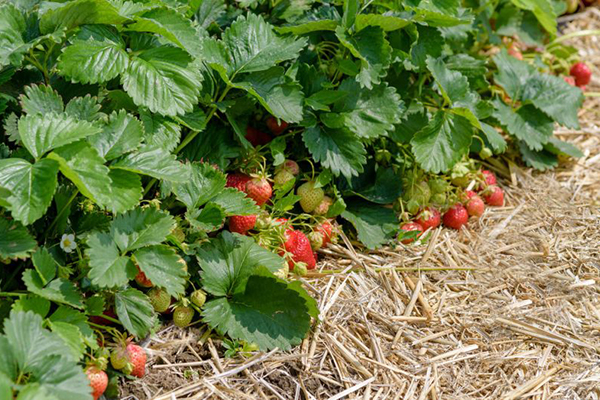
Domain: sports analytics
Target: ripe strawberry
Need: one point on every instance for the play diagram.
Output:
(242, 223)
(323, 206)
(275, 127)
(495, 197)
(489, 177)
(470, 193)
(142, 279)
(513, 51)
(98, 381)
(137, 358)
(291, 166)
(298, 245)
(570, 80)
(96, 319)
(256, 137)
(326, 229)
(198, 297)
(475, 206)
(582, 74)
(310, 196)
(259, 190)
(283, 177)
(429, 218)
(238, 180)
(410, 227)
(160, 299)
(182, 316)
(456, 216)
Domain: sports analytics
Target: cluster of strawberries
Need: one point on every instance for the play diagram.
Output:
(473, 205)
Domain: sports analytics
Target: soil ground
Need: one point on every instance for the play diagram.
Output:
(506, 309)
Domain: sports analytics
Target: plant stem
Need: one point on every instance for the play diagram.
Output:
(192, 135)
(587, 32)
(11, 294)
(61, 212)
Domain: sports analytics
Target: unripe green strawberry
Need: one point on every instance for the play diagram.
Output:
(182, 316)
(198, 297)
(437, 186)
(412, 206)
(160, 299)
(439, 198)
(118, 359)
(310, 196)
(323, 206)
(315, 239)
(300, 269)
(485, 153)
(283, 177)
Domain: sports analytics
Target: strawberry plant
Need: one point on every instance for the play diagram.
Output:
(171, 161)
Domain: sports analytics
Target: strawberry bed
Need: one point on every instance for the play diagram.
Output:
(174, 161)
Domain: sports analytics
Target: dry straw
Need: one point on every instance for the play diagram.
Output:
(508, 309)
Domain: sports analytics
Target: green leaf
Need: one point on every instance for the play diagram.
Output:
(375, 225)
(252, 46)
(494, 138)
(61, 378)
(281, 97)
(59, 290)
(453, 85)
(559, 147)
(15, 241)
(78, 12)
(82, 164)
(95, 60)
(325, 18)
(543, 10)
(86, 108)
(154, 162)
(540, 160)
(126, 190)
(171, 25)
(31, 187)
(160, 131)
(42, 133)
(121, 134)
(141, 227)
(369, 113)
(527, 123)
(41, 99)
(163, 79)
(34, 303)
(443, 142)
(108, 268)
(381, 186)
(351, 9)
(45, 265)
(512, 74)
(163, 267)
(268, 312)
(135, 311)
(339, 150)
(372, 49)
(71, 335)
(12, 27)
(209, 219)
(78, 319)
(228, 261)
(429, 44)
(555, 97)
(209, 11)
(234, 202)
(204, 184)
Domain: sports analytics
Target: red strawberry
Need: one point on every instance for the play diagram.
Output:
(582, 74)
(456, 216)
(513, 51)
(96, 319)
(570, 80)
(259, 190)
(489, 176)
(137, 357)
(291, 166)
(326, 229)
(429, 218)
(256, 137)
(238, 180)
(275, 127)
(298, 245)
(242, 223)
(142, 279)
(495, 197)
(410, 227)
(98, 381)
(475, 206)
(470, 194)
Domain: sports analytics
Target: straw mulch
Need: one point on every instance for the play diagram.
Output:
(507, 309)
